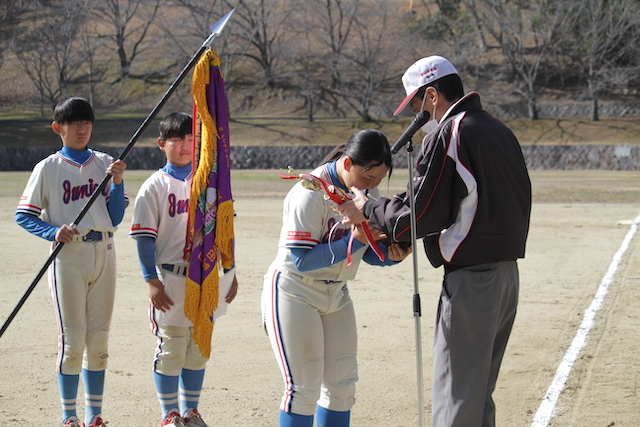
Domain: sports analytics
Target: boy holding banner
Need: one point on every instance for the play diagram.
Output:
(160, 223)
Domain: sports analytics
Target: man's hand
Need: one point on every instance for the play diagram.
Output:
(351, 210)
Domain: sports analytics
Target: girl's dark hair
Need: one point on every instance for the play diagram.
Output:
(449, 86)
(366, 148)
(175, 125)
(73, 109)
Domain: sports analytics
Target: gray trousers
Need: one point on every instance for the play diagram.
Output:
(475, 316)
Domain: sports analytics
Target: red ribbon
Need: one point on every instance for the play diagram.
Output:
(338, 196)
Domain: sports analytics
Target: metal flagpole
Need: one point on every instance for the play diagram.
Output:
(215, 31)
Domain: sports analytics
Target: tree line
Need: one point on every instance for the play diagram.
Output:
(322, 57)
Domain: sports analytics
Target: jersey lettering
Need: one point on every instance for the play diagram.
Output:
(177, 207)
(337, 234)
(79, 192)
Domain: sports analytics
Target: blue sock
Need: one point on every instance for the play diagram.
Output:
(190, 388)
(288, 419)
(68, 386)
(327, 418)
(167, 391)
(93, 390)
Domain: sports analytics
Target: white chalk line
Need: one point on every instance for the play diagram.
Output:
(547, 407)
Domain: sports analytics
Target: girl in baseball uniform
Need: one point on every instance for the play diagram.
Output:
(307, 311)
(82, 278)
(159, 226)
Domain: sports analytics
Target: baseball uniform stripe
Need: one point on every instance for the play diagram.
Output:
(58, 312)
(29, 209)
(282, 354)
(154, 331)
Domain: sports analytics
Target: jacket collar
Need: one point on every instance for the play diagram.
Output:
(469, 102)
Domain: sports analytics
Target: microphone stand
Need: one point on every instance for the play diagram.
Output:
(417, 309)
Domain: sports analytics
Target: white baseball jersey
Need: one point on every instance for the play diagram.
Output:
(308, 220)
(82, 278)
(59, 188)
(161, 211)
(309, 316)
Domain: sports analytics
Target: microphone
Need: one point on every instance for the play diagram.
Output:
(421, 118)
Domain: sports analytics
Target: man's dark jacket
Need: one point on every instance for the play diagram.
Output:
(472, 191)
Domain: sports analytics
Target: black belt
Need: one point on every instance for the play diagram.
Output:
(180, 270)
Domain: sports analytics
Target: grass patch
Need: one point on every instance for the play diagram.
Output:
(608, 131)
(117, 130)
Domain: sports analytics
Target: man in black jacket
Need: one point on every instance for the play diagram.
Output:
(473, 203)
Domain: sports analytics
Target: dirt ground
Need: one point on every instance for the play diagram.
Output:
(579, 221)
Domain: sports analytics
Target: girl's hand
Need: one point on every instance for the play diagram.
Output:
(358, 233)
(397, 252)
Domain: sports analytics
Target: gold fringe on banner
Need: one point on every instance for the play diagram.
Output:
(201, 299)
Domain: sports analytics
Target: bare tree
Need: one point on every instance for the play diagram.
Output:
(347, 55)
(528, 33)
(603, 41)
(262, 25)
(10, 17)
(307, 72)
(336, 20)
(368, 55)
(96, 69)
(201, 15)
(332, 56)
(326, 26)
(45, 47)
(127, 29)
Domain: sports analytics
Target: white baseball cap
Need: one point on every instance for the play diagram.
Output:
(422, 72)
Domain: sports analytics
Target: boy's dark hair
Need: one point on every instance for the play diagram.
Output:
(175, 125)
(449, 86)
(73, 109)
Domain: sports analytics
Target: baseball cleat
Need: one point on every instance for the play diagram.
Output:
(72, 422)
(173, 420)
(193, 419)
(97, 422)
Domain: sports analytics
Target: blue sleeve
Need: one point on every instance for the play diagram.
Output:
(147, 256)
(323, 255)
(116, 204)
(36, 226)
(371, 258)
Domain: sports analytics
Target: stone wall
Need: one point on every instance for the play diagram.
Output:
(559, 157)
(552, 111)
